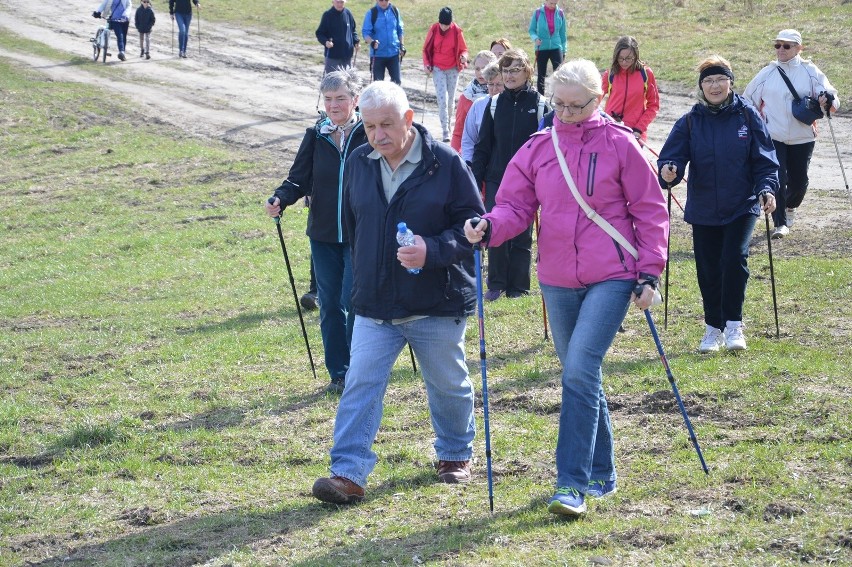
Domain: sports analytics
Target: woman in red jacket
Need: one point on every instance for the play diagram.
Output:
(632, 89)
(444, 55)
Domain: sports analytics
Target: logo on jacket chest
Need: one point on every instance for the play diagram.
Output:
(742, 133)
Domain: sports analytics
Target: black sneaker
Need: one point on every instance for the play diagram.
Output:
(309, 301)
(147, 56)
(121, 56)
(335, 387)
(142, 53)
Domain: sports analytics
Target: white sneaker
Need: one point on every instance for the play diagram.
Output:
(734, 338)
(791, 216)
(780, 232)
(712, 341)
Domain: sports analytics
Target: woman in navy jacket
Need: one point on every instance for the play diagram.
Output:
(317, 172)
(733, 175)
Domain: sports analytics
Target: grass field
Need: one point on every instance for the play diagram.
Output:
(157, 407)
(673, 35)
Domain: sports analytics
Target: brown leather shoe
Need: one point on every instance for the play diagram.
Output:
(337, 490)
(453, 472)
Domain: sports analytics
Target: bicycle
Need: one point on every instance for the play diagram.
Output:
(100, 43)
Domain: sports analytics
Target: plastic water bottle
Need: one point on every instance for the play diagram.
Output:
(405, 237)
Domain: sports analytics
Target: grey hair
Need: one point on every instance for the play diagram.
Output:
(487, 55)
(491, 71)
(384, 93)
(580, 72)
(344, 78)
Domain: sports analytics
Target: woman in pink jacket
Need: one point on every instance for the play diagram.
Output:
(632, 88)
(444, 55)
(586, 277)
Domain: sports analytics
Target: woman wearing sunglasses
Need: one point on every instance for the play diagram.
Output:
(794, 141)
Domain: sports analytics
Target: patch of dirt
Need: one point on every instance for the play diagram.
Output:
(140, 517)
(30, 461)
(781, 511)
(643, 539)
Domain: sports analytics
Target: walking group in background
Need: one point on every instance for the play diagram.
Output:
(515, 160)
(117, 14)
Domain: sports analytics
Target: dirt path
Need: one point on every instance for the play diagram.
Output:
(258, 89)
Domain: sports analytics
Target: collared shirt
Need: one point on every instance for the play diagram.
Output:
(391, 180)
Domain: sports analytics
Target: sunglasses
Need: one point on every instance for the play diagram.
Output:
(783, 45)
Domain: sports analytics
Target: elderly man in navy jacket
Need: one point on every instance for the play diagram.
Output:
(405, 175)
(337, 32)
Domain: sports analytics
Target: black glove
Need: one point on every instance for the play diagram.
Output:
(96, 15)
(646, 279)
(374, 44)
(402, 52)
(829, 99)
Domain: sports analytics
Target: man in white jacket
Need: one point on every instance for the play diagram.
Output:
(794, 141)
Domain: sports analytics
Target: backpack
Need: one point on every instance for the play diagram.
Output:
(641, 70)
(374, 13)
(539, 106)
(538, 13)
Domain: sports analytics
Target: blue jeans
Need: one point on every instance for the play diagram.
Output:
(392, 66)
(438, 343)
(183, 21)
(584, 322)
(333, 268)
(120, 28)
(721, 264)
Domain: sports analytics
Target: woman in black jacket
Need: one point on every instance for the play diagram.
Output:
(511, 118)
(317, 172)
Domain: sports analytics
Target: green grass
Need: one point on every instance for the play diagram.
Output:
(673, 35)
(157, 407)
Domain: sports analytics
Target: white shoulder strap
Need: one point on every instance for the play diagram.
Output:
(494, 104)
(590, 213)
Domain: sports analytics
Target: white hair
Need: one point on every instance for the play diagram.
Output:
(580, 72)
(384, 93)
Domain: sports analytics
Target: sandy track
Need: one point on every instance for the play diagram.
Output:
(258, 89)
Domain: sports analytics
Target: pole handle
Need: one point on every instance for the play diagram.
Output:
(271, 201)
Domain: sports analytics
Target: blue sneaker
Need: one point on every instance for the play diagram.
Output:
(567, 502)
(600, 488)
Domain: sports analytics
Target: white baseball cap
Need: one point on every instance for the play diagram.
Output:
(789, 35)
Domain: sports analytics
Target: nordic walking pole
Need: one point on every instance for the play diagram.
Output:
(772, 276)
(483, 362)
(655, 154)
(271, 201)
(413, 362)
(543, 306)
(425, 90)
(198, 6)
(668, 255)
(836, 149)
(638, 292)
(173, 34)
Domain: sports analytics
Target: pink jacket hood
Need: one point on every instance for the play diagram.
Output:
(614, 178)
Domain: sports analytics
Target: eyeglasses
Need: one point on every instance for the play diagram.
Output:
(493, 85)
(571, 108)
(784, 45)
(512, 70)
(628, 59)
(708, 82)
